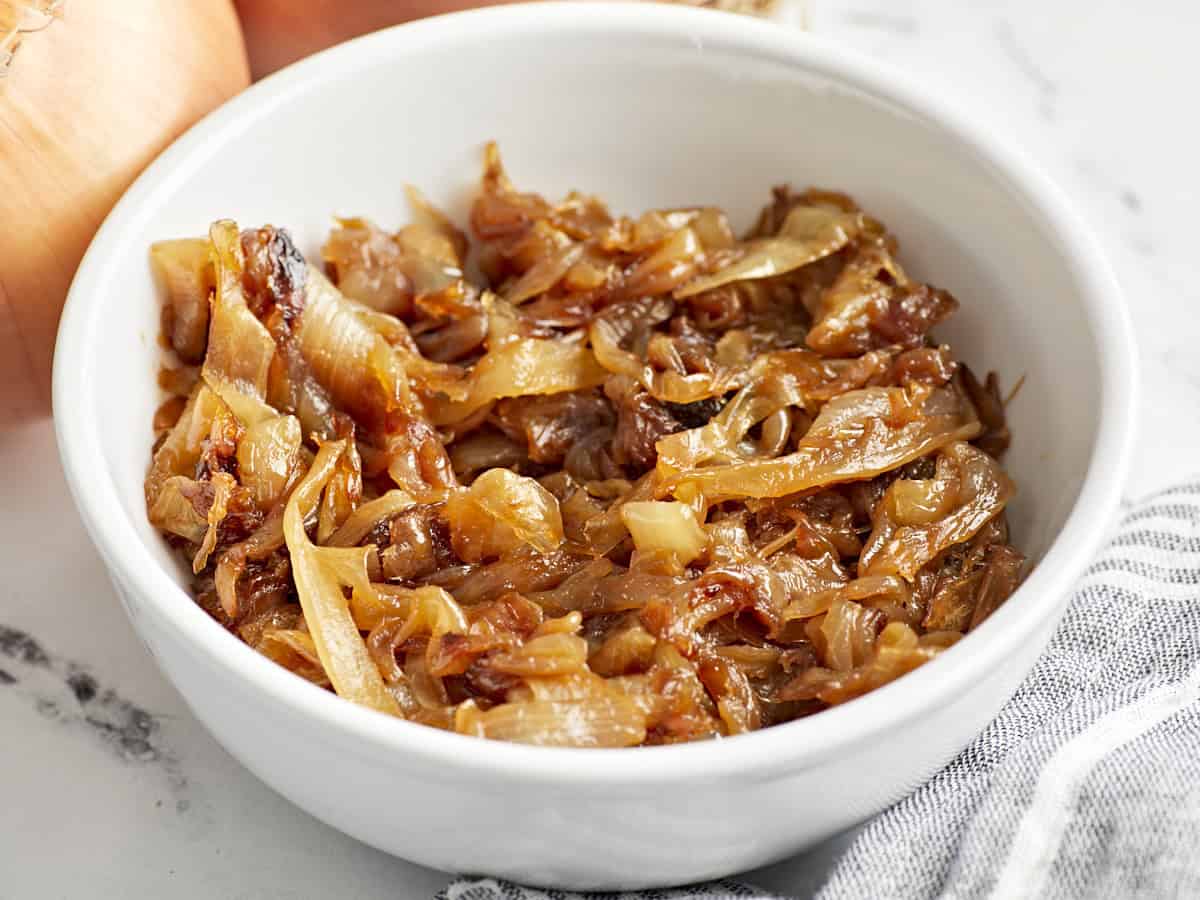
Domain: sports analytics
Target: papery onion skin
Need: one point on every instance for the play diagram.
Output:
(78, 128)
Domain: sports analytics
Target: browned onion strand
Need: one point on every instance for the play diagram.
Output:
(645, 483)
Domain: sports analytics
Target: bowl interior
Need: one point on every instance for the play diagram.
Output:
(645, 121)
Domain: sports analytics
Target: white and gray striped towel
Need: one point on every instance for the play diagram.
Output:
(1087, 785)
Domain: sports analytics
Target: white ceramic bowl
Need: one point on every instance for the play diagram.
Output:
(647, 106)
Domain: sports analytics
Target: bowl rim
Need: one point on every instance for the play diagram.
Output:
(797, 744)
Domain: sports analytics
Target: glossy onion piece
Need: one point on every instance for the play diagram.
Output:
(917, 520)
(776, 381)
(733, 693)
(321, 573)
(630, 323)
(898, 650)
(387, 272)
(873, 304)
(500, 512)
(295, 651)
(971, 580)
(180, 451)
(858, 435)
(223, 486)
(240, 348)
(268, 455)
(547, 654)
(544, 275)
(231, 564)
(665, 526)
(366, 517)
(809, 233)
(516, 366)
(366, 262)
(604, 721)
(185, 268)
(173, 511)
(351, 360)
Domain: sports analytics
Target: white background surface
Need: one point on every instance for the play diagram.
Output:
(1100, 94)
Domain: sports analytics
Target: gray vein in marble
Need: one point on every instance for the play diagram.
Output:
(1023, 62)
(66, 693)
(901, 26)
(1129, 200)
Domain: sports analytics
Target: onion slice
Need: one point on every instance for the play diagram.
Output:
(321, 573)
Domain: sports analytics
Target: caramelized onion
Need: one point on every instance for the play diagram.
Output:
(646, 483)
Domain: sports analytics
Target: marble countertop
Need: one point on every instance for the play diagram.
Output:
(109, 787)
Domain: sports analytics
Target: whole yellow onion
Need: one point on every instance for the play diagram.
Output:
(86, 102)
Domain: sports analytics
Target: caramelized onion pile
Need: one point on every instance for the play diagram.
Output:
(643, 482)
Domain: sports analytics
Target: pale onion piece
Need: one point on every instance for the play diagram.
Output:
(428, 257)
(173, 512)
(429, 216)
(223, 484)
(228, 571)
(433, 377)
(320, 574)
(360, 522)
(898, 650)
(631, 649)
(669, 266)
(849, 635)
(343, 491)
(574, 686)
(917, 519)
(240, 348)
(185, 269)
(606, 336)
(604, 721)
(718, 440)
(713, 228)
(482, 450)
(500, 512)
(549, 654)
(808, 233)
(386, 601)
(858, 435)
(295, 651)
(503, 320)
(415, 458)
(181, 450)
(437, 612)
(663, 525)
(736, 702)
(424, 610)
(350, 359)
(247, 408)
(522, 367)
(268, 456)
(545, 274)
(843, 317)
(570, 623)
(605, 531)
